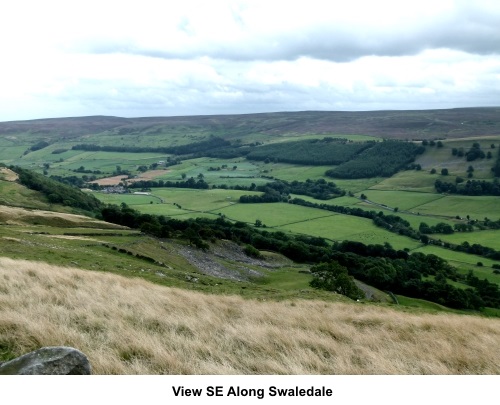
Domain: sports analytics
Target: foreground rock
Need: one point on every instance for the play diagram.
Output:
(48, 361)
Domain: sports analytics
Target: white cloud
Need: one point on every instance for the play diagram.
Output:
(151, 57)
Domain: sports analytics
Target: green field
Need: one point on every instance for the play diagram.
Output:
(404, 200)
(289, 172)
(489, 238)
(273, 215)
(453, 205)
(344, 227)
(409, 180)
(189, 199)
(439, 158)
(465, 262)
(277, 216)
(237, 172)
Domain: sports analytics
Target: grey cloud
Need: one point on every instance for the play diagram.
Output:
(469, 30)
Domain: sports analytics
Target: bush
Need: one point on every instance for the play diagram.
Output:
(252, 252)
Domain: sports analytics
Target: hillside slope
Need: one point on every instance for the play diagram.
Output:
(418, 124)
(130, 326)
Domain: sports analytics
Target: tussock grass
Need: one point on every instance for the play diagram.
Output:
(128, 326)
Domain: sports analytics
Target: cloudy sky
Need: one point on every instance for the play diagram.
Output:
(182, 57)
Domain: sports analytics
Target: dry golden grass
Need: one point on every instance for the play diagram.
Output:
(7, 174)
(23, 216)
(128, 326)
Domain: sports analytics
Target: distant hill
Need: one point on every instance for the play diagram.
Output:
(416, 124)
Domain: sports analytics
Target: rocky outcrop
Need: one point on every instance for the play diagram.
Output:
(57, 360)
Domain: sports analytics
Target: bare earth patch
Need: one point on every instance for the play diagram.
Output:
(71, 237)
(149, 175)
(8, 175)
(110, 181)
(115, 180)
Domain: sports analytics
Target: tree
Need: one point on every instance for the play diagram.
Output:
(258, 223)
(433, 171)
(439, 144)
(334, 277)
(183, 175)
(444, 172)
(363, 197)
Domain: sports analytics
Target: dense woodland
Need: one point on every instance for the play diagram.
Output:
(192, 148)
(327, 151)
(382, 159)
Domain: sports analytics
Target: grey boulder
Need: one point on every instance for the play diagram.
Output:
(57, 360)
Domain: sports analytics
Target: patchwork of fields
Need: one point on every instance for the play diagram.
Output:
(409, 194)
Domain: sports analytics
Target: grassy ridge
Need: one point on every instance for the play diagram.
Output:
(424, 124)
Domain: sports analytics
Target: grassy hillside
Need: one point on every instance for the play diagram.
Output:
(130, 326)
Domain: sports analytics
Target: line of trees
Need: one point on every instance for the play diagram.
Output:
(470, 187)
(192, 148)
(56, 192)
(189, 183)
(280, 190)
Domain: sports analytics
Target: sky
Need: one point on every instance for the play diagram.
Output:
(165, 58)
